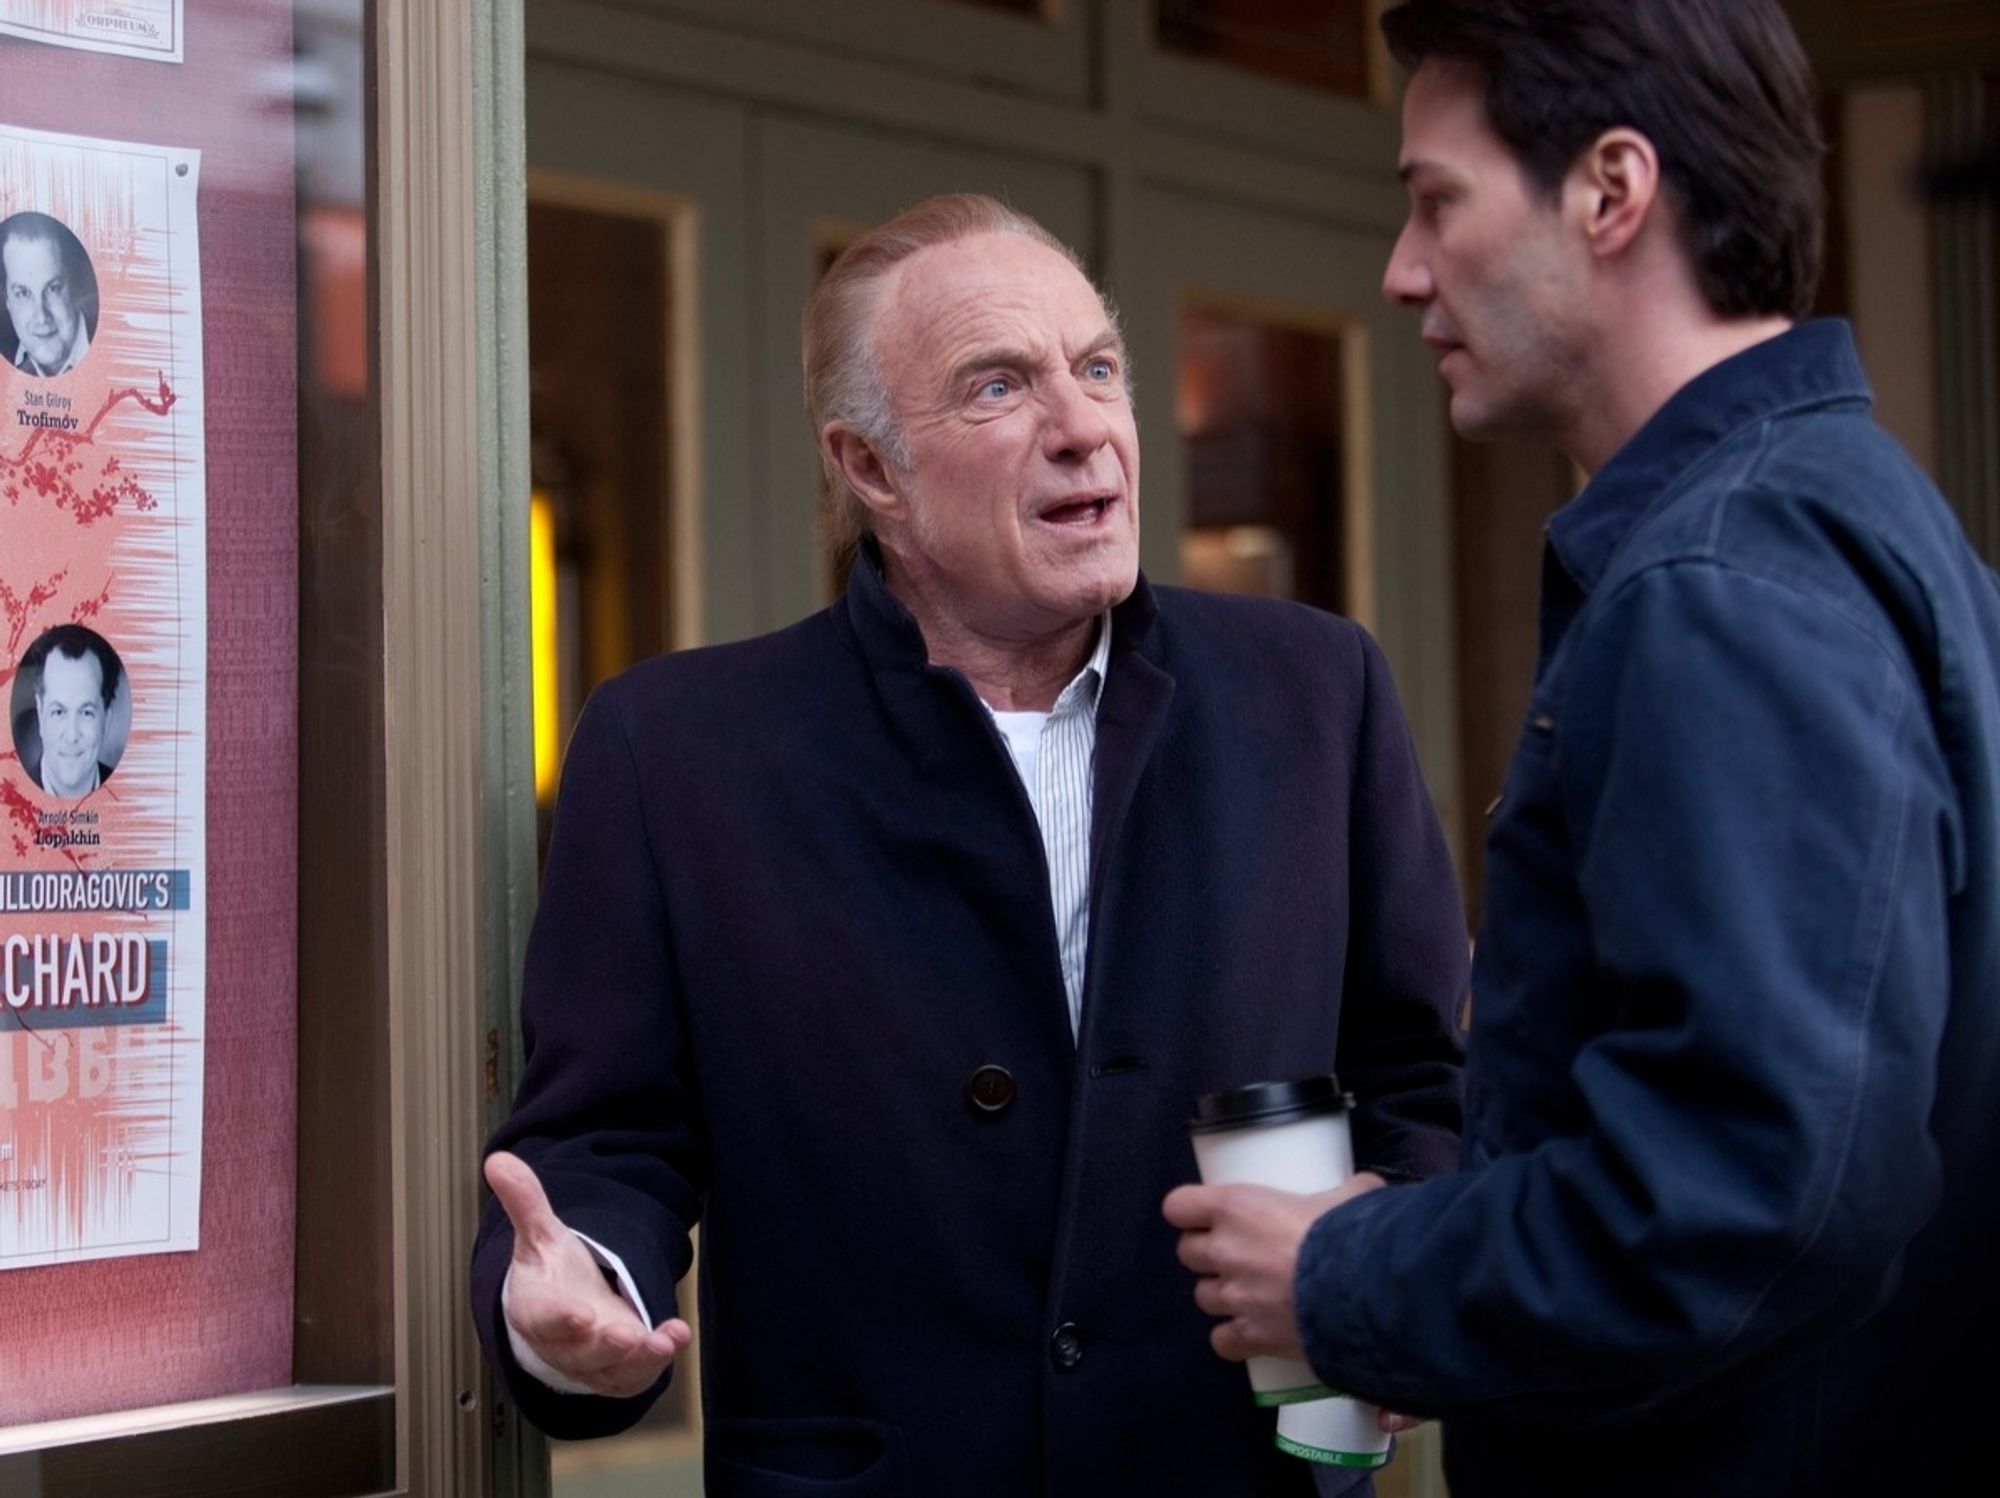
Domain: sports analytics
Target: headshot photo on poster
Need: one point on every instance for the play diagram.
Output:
(71, 711)
(51, 292)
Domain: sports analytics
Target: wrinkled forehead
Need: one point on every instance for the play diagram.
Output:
(999, 287)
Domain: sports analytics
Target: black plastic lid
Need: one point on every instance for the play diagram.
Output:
(1269, 1103)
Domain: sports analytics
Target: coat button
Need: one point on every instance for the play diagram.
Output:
(1066, 1347)
(991, 1089)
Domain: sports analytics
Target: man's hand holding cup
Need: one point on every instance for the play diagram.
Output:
(1275, 1157)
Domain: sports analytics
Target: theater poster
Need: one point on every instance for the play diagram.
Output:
(129, 28)
(103, 664)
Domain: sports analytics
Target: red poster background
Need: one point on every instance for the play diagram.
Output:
(118, 1333)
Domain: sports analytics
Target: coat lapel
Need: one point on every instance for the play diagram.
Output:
(1130, 714)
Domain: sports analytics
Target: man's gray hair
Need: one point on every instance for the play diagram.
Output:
(841, 378)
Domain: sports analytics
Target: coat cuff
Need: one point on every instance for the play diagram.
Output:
(1331, 1289)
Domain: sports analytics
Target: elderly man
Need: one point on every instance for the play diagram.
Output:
(896, 946)
(1736, 1045)
(51, 293)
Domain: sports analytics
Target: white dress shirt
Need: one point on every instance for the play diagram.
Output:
(1053, 752)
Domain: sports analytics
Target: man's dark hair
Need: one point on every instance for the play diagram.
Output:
(1720, 87)
(30, 225)
(75, 641)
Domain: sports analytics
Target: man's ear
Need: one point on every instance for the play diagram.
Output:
(860, 463)
(1618, 178)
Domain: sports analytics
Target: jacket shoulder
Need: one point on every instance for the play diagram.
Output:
(1774, 486)
(1193, 623)
(1242, 647)
(739, 671)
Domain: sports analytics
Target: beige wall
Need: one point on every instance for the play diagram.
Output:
(1889, 259)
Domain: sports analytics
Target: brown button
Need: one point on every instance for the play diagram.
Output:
(1066, 1347)
(991, 1089)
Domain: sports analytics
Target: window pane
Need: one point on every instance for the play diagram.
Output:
(1259, 407)
(149, 544)
(244, 329)
(1321, 44)
(598, 299)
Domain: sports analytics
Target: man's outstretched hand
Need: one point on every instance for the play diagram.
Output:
(559, 1304)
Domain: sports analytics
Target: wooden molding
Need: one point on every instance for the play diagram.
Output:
(296, 1443)
(1850, 41)
(449, 205)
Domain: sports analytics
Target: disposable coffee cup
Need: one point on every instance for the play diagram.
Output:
(1292, 1136)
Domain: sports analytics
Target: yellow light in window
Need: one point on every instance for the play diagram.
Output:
(542, 639)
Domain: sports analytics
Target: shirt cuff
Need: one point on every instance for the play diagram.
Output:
(531, 1362)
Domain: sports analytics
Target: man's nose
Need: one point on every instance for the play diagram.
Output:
(1406, 280)
(1078, 423)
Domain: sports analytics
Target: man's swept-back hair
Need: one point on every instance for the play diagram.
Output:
(842, 382)
(1720, 87)
(76, 641)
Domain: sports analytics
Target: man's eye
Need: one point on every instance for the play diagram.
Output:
(996, 387)
(1101, 369)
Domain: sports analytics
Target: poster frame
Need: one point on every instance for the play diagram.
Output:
(390, 1396)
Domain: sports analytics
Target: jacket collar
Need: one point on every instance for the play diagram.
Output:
(890, 639)
(950, 738)
(1813, 364)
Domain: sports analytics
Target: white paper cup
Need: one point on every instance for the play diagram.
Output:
(1339, 1432)
(1292, 1136)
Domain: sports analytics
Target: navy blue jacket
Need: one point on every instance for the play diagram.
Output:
(796, 897)
(1733, 1111)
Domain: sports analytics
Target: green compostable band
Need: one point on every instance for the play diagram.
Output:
(1305, 1394)
(1332, 1458)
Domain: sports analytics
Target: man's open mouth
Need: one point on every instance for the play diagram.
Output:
(1087, 510)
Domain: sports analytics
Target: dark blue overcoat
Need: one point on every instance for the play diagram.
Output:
(797, 897)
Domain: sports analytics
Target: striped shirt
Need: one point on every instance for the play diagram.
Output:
(1053, 753)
